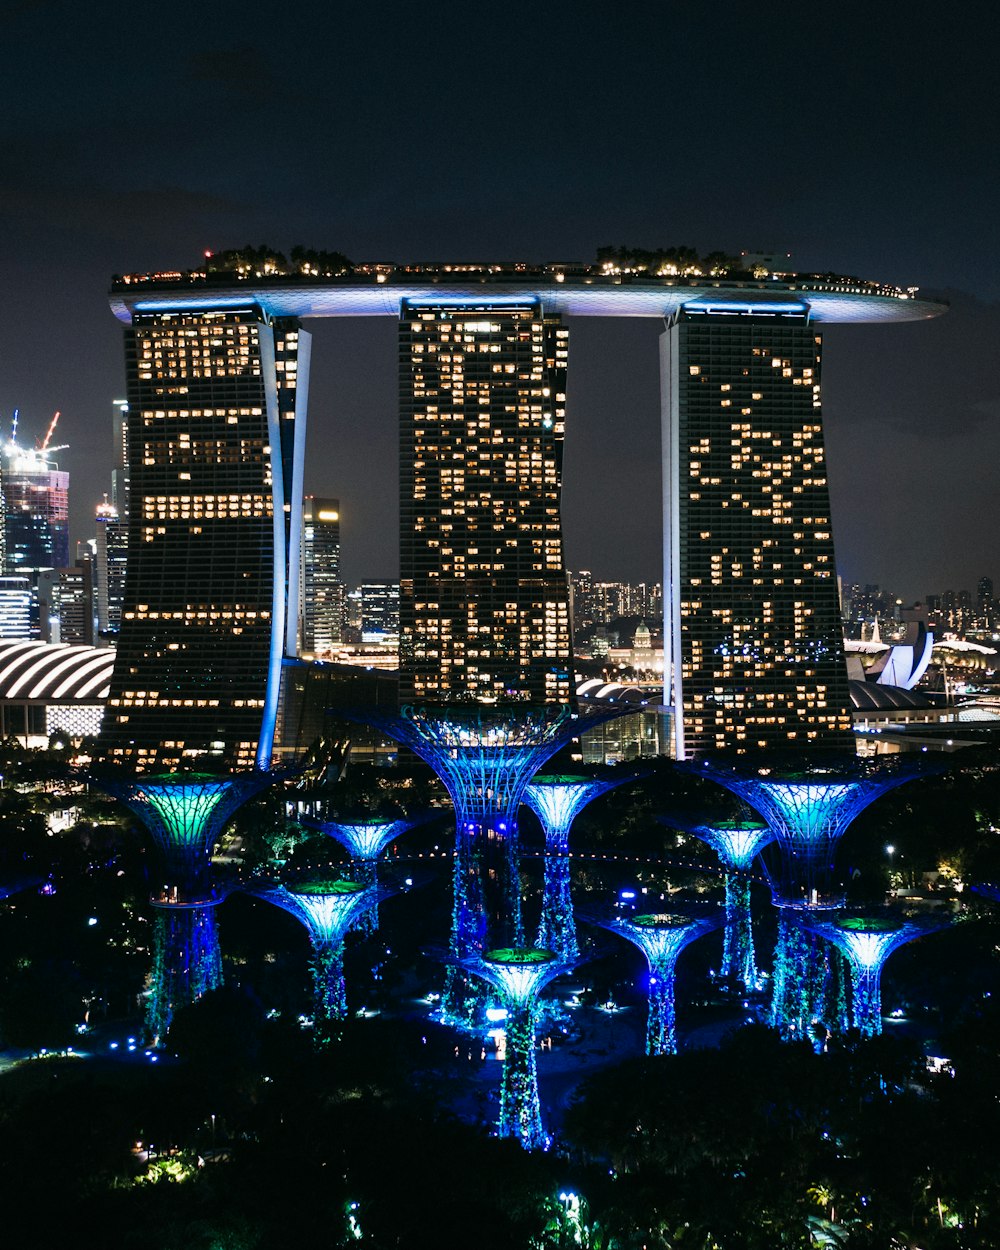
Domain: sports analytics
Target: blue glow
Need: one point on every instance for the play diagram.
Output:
(808, 817)
(184, 815)
(662, 937)
(485, 756)
(327, 909)
(187, 963)
(279, 559)
(520, 974)
(868, 943)
(737, 843)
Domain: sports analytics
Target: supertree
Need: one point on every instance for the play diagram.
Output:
(867, 942)
(520, 974)
(557, 800)
(184, 815)
(808, 811)
(364, 838)
(328, 907)
(737, 844)
(661, 936)
(485, 755)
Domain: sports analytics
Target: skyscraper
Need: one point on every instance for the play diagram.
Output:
(757, 649)
(216, 404)
(111, 558)
(484, 600)
(36, 511)
(322, 589)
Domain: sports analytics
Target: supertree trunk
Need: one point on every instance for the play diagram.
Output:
(557, 930)
(520, 1111)
(661, 1025)
(329, 991)
(739, 959)
(187, 962)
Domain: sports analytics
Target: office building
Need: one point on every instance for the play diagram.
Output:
(15, 607)
(110, 563)
(754, 613)
(322, 607)
(379, 621)
(216, 406)
(36, 511)
(484, 598)
(67, 602)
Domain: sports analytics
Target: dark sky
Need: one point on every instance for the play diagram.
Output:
(860, 138)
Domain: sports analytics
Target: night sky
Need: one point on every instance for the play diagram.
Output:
(859, 138)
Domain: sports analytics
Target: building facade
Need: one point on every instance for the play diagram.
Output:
(753, 613)
(216, 417)
(484, 599)
(322, 599)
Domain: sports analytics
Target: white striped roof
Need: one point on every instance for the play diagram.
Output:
(55, 672)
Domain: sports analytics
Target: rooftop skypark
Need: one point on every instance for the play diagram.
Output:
(305, 266)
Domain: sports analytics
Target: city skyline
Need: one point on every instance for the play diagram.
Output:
(906, 201)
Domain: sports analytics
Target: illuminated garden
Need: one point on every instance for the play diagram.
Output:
(696, 1023)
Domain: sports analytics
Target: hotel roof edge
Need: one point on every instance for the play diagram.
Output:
(831, 303)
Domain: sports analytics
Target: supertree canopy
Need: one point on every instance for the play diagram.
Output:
(661, 936)
(485, 754)
(327, 907)
(520, 974)
(364, 839)
(184, 815)
(808, 812)
(868, 941)
(187, 962)
(557, 800)
(737, 844)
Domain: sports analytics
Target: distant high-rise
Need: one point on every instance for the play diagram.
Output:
(111, 558)
(757, 648)
(322, 589)
(36, 512)
(380, 612)
(216, 416)
(484, 598)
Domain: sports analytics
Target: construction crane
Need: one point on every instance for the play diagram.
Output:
(49, 432)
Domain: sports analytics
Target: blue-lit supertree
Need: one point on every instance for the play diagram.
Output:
(364, 838)
(485, 754)
(808, 811)
(520, 974)
(557, 800)
(867, 942)
(661, 936)
(184, 815)
(737, 844)
(328, 907)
